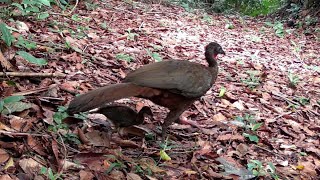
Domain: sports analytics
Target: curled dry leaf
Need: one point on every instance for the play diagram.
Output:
(30, 166)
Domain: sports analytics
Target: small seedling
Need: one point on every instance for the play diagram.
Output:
(154, 55)
(293, 80)
(251, 126)
(207, 19)
(57, 118)
(253, 80)
(125, 57)
(114, 163)
(50, 174)
(131, 36)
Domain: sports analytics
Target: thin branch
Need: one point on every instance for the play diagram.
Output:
(32, 74)
(22, 134)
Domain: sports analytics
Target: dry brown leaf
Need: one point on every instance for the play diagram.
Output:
(148, 163)
(228, 137)
(30, 166)
(309, 168)
(36, 145)
(133, 176)
(98, 138)
(4, 156)
(86, 175)
(238, 105)
(5, 177)
(48, 116)
(219, 117)
(4, 127)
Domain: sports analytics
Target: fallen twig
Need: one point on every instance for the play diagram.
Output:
(22, 134)
(32, 74)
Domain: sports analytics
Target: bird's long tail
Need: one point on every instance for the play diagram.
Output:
(100, 96)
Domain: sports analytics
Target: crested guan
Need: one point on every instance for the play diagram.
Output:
(173, 84)
(124, 116)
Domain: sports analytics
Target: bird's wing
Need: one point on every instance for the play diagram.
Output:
(184, 77)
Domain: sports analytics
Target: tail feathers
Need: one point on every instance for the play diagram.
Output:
(100, 96)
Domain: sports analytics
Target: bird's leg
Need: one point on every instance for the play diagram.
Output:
(173, 116)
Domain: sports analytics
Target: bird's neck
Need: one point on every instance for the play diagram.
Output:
(211, 59)
(140, 117)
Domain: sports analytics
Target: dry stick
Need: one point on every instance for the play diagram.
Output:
(32, 74)
(268, 151)
(74, 7)
(23, 93)
(21, 134)
(284, 98)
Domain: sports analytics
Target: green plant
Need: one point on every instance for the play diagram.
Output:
(131, 36)
(23, 43)
(49, 173)
(91, 5)
(57, 118)
(250, 125)
(154, 55)
(125, 57)
(302, 100)
(70, 138)
(30, 58)
(278, 28)
(114, 163)
(293, 80)
(256, 167)
(6, 35)
(12, 104)
(29, 7)
(207, 19)
(258, 170)
(253, 79)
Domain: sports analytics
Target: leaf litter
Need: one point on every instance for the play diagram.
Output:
(214, 139)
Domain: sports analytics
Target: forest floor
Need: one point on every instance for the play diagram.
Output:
(261, 118)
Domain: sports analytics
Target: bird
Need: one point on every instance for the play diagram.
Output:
(174, 84)
(124, 116)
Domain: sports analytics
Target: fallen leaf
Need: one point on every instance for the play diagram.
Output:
(30, 166)
(219, 117)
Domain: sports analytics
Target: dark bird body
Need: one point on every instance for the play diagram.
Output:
(124, 116)
(172, 84)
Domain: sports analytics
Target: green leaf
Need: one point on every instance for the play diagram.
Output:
(125, 57)
(32, 59)
(222, 91)
(42, 16)
(252, 138)
(156, 57)
(11, 99)
(164, 156)
(22, 43)
(43, 170)
(18, 6)
(59, 116)
(256, 126)
(1, 105)
(45, 2)
(15, 107)
(6, 35)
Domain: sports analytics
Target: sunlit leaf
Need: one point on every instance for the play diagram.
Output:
(32, 59)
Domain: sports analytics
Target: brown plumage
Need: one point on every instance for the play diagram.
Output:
(124, 116)
(172, 84)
